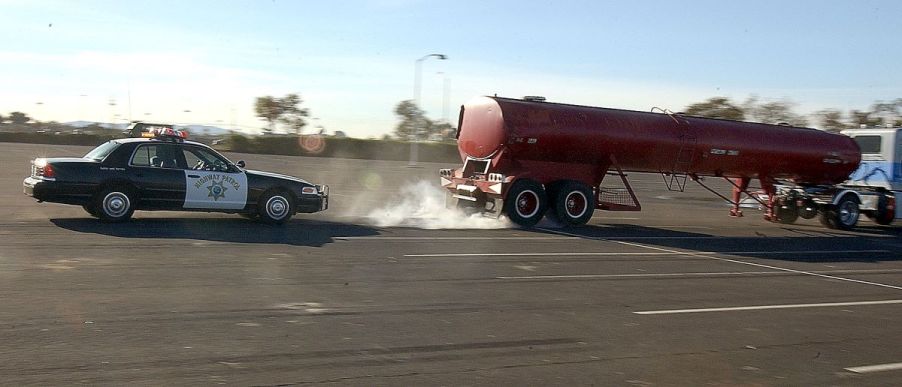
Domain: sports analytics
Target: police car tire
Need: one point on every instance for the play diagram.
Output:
(90, 209)
(114, 205)
(275, 207)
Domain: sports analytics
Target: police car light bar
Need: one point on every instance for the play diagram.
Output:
(164, 132)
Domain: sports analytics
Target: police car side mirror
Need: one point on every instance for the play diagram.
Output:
(240, 164)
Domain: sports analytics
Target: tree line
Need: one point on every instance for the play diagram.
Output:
(414, 125)
(775, 112)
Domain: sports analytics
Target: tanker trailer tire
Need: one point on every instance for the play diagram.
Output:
(572, 203)
(525, 203)
(786, 213)
(843, 215)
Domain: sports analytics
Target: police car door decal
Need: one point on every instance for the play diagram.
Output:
(215, 190)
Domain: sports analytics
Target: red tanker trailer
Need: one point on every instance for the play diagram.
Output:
(525, 157)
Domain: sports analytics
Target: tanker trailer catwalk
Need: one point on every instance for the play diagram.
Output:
(528, 158)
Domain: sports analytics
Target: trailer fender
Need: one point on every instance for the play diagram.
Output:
(839, 195)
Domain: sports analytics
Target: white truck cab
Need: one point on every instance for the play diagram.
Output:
(881, 162)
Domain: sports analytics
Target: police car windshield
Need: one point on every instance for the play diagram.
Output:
(102, 151)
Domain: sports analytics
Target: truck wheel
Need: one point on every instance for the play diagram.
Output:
(786, 213)
(883, 215)
(114, 205)
(525, 203)
(844, 215)
(573, 203)
(275, 207)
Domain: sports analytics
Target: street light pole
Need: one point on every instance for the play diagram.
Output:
(417, 87)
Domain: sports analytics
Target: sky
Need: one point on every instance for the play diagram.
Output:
(352, 62)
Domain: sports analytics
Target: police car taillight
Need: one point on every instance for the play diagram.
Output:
(309, 190)
(47, 171)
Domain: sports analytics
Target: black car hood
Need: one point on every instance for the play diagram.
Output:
(276, 176)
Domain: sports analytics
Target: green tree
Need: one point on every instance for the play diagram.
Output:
(860, 118)
(292, 113)
(443, 130)
(413, 121)
(830, 120)
(716, 107)
(284, 110)
(268, 109)
(774, 112)
(19, 118)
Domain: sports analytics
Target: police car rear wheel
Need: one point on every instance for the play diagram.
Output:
(114, 205)
(89, 208)
(275, 207)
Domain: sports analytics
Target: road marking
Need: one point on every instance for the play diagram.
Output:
(671, 252)
(532, 254)
(403, 238)
(535, 238)
(765, 307)
(694, 274)
(875, 368)
(745, 263)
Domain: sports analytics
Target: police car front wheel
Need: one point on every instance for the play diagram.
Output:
(275, 207)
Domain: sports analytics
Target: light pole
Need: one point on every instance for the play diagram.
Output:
(417, 87)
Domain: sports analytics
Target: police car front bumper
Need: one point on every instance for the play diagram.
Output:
(314, 202)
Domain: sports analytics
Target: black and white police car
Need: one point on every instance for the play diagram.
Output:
(158, 169)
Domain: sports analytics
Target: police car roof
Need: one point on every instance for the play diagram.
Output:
(151, 139)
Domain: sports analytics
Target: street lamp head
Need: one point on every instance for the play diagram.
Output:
(441, 56)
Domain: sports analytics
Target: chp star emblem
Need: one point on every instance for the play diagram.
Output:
(217, 190)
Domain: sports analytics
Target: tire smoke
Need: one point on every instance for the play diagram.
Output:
(422, 205)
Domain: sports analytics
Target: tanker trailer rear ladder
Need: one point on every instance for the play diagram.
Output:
(676, 178)
(616, 198)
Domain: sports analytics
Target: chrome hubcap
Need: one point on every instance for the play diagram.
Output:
(576, 204)
(116, 204)
(848, 212)
(527, 204)
(277, 207)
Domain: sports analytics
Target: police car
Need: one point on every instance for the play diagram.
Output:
(159, 169)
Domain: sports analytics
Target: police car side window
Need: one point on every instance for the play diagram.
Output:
(191, 160)
(155, 156)
(199, 158)
(143, 155)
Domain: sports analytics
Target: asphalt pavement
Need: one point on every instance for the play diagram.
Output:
(377, 291)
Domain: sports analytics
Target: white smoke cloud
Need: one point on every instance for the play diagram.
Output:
(422, 205)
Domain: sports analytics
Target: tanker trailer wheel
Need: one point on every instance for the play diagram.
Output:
(786, 213)
(573, 203)
(844, 215)
(525, 203)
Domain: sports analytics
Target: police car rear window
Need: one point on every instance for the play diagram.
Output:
(868, 144)
(102, 151)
